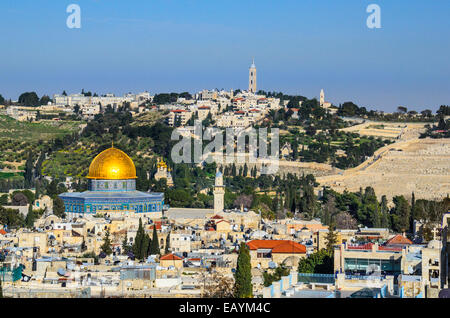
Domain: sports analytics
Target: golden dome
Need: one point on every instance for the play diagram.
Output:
(162, 164)
(112, 164)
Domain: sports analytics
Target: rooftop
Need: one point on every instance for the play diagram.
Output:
(277, 246)
(170, 257)
(399, 240)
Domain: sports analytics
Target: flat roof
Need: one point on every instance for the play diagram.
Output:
(186, 213)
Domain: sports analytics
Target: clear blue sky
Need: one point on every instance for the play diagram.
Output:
(187, 45)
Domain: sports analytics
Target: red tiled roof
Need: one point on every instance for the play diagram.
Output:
(3, 232)
(211, 229)
(179, 111)
(399, 240)
(278, 246)
(216, 217)
(158, 225)
(240, 112)
(204, 107)
(222, 221)
(170, 257)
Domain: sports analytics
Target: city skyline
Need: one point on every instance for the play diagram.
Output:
(185, 46)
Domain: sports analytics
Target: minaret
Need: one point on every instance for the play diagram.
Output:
(219, 193)
(322, 97)
(252, 78)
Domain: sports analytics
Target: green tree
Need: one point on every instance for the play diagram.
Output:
(125, 246)
(385, 222)
(279, 272)
(400, 214)
(138, 242)
(243, 287)
(52, 188)
(58, 207)
(106, 246)
(28, 175)
(331, 237)
(45, 99)
(4, 199)
(12, 218)
(154, 249)
(29, 219)
(412, 216)
(29, 99)
(320, 262)
(146, 246)
(167, 247)
(30, 195)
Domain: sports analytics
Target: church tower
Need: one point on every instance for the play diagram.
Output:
(252, 78)
(322, 97)
(219, 193)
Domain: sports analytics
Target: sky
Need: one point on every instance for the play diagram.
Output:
(299, 46)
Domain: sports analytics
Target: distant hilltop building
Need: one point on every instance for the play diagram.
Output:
(112, 190)
(163, 172)
(323, 103)
(109, 99)
(252, 78)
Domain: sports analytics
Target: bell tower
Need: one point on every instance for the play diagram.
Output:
(219, 193)
(252, 78)
(322, 97)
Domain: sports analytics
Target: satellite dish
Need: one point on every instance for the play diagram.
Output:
(61, 271)
(410, 270)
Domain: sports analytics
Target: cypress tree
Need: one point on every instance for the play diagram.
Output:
(385, 222)
(243, 287)
(29, 219)
(167, 248)
(412, 216)
(245, 172)
(28, 175)
(155, 244)
(125, 246)
(106, 246)
(146, 243)
(137, 246)
(331, 237)
(401, 214)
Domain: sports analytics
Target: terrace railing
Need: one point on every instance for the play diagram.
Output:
(365, 277)
(316, 278)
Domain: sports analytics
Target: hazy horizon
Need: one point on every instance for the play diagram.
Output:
(186, 45)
